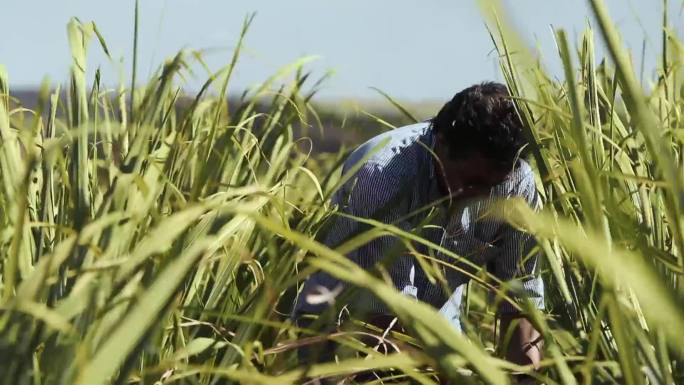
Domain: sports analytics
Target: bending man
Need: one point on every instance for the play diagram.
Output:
(457, 164)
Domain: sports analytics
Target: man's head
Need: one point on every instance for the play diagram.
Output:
(479, 137)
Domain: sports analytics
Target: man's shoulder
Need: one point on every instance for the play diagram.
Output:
(523, 172)
(396, 145)
(385, 166)
(521, 182)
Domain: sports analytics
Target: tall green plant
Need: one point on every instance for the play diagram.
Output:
(611, 231)
(151, 237)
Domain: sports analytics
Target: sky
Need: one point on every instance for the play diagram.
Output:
(414, 50)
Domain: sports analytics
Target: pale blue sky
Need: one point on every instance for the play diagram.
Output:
(412, 49)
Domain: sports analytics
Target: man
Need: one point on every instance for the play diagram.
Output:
(440, 178)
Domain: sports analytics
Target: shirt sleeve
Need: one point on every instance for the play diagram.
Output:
(320, 288)
(369, 194)
(518, 258)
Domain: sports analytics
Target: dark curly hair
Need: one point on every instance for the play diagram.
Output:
(482, 118)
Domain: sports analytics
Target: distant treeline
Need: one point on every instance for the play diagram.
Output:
(330, 128)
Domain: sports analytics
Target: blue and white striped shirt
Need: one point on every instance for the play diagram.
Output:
(399, 179)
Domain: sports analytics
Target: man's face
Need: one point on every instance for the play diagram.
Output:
(482, 171)
(471, 176)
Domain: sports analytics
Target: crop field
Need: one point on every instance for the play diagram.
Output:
(148, 236)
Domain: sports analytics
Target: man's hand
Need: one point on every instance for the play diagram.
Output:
(525, 343)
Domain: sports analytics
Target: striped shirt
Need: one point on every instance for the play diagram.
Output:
(396, 179)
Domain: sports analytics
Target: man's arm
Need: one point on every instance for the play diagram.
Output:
(525, 343)
(367, 192)
(518, 260)
(522, 341)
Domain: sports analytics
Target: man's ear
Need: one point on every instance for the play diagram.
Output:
(441, 149)
(439, 139)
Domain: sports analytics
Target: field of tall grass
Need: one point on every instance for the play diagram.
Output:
(148, 241)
